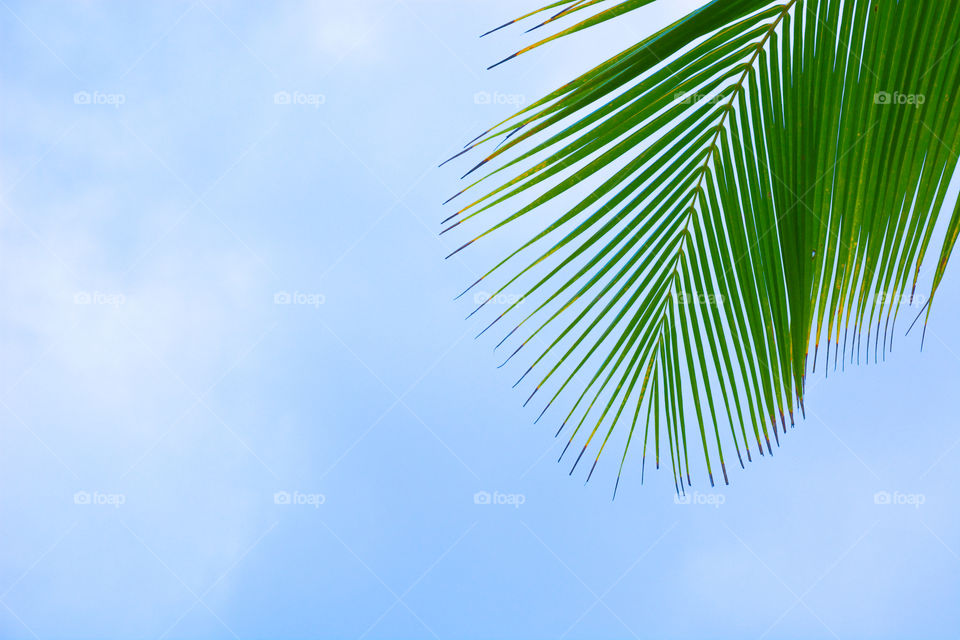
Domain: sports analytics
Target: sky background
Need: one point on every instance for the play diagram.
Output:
(159, 404)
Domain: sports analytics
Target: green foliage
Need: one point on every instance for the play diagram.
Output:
(768, 177)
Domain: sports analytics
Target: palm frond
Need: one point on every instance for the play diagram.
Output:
(765, 176)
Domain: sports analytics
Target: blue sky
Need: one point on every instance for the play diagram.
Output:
(183, 455)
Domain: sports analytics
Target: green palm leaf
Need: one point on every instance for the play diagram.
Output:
(765, 179)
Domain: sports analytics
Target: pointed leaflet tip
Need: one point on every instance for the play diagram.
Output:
(508, 360)
(542, 412)
(511, 57)
(826, 361)
(846, 331)
(460, 249)
(915, 320)
(448, 200)
(886, 327)
(478, 308)
(478, 165)
(591, 471)
(454, 157)
(876, 344)
(453, 215)
(522, 377)
(534, 391)
(617, 484)
(505, 338)
(559, 430)
(456, 224)
(555, 16)
(488, 326)
(477, 138)
(507, 137)
(468, 288)
(503, 26)
(564, 450)
(577, 461)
